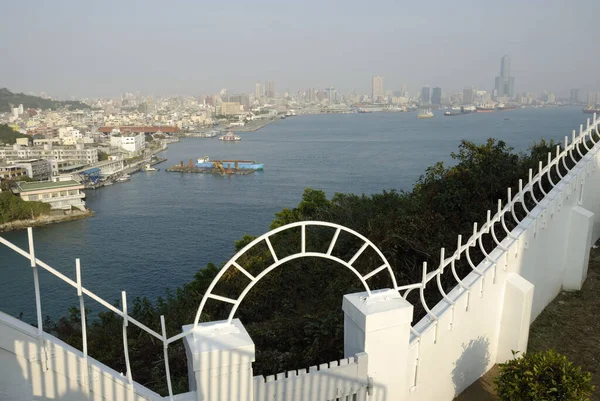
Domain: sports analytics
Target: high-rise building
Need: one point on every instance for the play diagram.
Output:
(436, 96)
(331, 95)
(468, 96)
(377, 89)
(425, 95)
(311, 95)
(257, 92)
(269, 89)
(574, 97)
(505, 84)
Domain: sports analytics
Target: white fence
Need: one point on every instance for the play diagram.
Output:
(343, 380)
(474, 326)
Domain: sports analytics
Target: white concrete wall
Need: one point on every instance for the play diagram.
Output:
(550, 253)
(58, 372)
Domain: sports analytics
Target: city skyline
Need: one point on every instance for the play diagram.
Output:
(201, 48)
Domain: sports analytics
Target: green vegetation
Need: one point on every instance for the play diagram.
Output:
(7, 98)
(543, 376)
(8, 136)
(294, 313)
(102, 156)
(12, 208)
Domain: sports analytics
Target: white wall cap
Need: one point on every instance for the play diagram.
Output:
(519, 283)
(385, 308)
(217, 344)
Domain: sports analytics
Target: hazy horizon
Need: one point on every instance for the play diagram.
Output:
(103, 49)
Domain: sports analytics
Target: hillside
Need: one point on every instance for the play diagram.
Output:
(8, 136)
(7, 98)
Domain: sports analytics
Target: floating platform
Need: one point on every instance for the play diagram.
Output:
(207, 170)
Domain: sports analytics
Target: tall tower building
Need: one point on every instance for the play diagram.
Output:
(436, 95)
(505, 83)
(468, 96)
(574, 97)
(269, 89)
(425, 95)
(257, 92)
(377, 89)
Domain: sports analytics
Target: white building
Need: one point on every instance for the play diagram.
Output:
(64, 195)
(77, 154)
(132, 143)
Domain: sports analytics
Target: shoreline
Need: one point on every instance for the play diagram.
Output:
(44, 221)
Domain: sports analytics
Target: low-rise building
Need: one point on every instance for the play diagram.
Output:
(62, 195)
(11, 172)
(131, 142)
(37, 169)
(77, 154)
(230, 108)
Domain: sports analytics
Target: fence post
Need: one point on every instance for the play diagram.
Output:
(220, 357)
(516, 317)
(380, 326)
(579, 242)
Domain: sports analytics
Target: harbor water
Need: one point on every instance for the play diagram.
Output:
(156, 230)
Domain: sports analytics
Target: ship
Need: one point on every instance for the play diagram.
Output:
(485, 108)
(205, 162)
(230, 137)
(462, 111)
(425, 113)
(503, 107)
(591, 110)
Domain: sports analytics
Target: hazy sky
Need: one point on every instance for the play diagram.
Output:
(103, 48)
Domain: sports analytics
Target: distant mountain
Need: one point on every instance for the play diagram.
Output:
(7, 98)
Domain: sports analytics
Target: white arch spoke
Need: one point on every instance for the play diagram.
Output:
(333, 241)
(223, 299)
(374, 272)
(240, 268)
(358, 253)
(268, 241)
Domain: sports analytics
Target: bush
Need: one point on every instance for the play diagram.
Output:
(543, 376)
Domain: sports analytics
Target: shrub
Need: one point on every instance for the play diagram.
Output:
(543, 376)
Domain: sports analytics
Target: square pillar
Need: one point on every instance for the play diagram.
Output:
(220, 357)
(516, 317)
(579, 242)
(380, 326)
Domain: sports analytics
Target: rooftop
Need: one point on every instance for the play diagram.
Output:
(40, 186)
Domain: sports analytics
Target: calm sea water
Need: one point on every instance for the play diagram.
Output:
(158, 229)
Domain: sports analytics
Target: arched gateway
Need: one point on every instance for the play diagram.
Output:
(302, 254)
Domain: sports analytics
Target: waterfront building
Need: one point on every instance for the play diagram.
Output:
(131, 142)
(425, 97)
(37, 169)
(436, 96)
(468, 96)
(77, 154)
(377, 89)
(505, 84)
(230, 108)
(63, 195)
(574, 96)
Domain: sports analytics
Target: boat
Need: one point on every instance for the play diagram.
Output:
(462, 111)
(148, 167)
(205, 162)
(425, 113)
(230, 137)
(591, 110)
(107, 183)
(485, 109)
(123, 178)
(503, 107)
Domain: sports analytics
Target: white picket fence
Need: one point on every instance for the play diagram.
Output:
(343, 380)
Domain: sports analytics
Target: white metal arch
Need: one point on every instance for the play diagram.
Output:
(302, 254)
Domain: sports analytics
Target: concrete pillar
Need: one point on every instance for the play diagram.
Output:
(220, 357)
(579, 242)
(516, 317)
(380, 326)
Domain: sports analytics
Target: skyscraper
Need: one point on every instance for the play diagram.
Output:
(269, 89)
(436, 96)
(505, 84)
(257, 92)
(574, 97)
(468, 96)
(377, 90)
(425, 94)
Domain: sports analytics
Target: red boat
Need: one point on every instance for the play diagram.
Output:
(485, 109)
